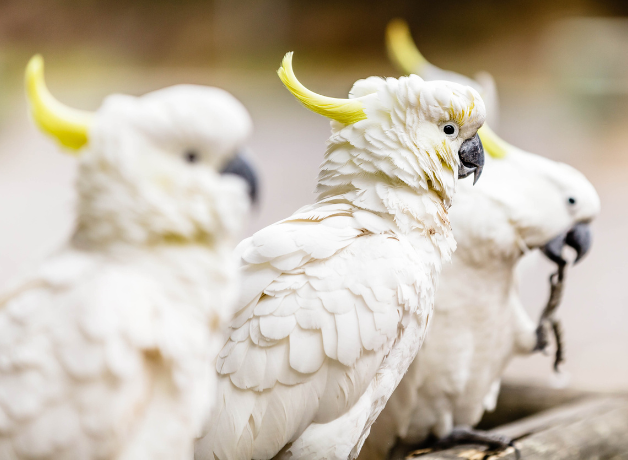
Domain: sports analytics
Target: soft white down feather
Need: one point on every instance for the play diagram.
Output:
(336, 298)
(523, 201)
(104, 349)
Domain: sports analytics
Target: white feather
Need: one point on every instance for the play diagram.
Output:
(479, 321)
(104, 348)
(342, 321)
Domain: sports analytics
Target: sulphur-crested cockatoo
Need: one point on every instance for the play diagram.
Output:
(104, 349)
(404, 53)
(524, 201)
(337, 297)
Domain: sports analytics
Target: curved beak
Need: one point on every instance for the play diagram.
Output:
(578, 238)
(240, 167)
(471, 156)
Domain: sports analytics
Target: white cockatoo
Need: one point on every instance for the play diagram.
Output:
(337, 298)
(402, 51)
(105, 348)
(523, 201)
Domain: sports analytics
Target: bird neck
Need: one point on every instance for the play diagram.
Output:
(96, 234)
(117, 206)
(412, 209)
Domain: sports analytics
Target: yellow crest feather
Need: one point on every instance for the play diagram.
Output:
(345, 111)
(492, 143)
(69, 126)
(401, 47)
(404, 52)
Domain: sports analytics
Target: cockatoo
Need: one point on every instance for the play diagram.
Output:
(403, 52)
(105, 348)
(337, 298)
(524, 201)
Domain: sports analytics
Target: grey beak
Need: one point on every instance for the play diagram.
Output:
(240, 167)
(578, 238)
(471, 156)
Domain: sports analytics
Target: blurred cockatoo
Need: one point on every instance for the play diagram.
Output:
(404, 53)
(524, 201)
(104, 349)
(337, 298)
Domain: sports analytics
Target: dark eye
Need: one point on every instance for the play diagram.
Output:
(450, 129)
(571, 200)
(191, 156)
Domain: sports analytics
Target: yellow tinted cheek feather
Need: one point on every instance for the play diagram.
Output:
(445, 154)
(69, 126)
(346, 111)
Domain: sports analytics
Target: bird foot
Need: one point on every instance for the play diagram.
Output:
(495, 442)
(542, 337)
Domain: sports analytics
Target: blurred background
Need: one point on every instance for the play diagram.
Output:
(561, 68)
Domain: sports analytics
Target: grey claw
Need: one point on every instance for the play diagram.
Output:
(541, 338)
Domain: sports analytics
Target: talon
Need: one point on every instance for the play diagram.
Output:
(495, 442)
(541, 338)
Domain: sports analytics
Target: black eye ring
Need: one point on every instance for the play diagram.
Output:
(449, 129)
(191, 156)
(571, 200)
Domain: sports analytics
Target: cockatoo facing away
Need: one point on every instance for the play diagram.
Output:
(479, 323)
(337, 297)
(104, 349)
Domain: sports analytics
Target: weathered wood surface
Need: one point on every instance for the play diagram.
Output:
(593, 428)
(518, 401)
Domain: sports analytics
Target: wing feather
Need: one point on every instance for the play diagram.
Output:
(349, 342)
(277, 327)
(318, 333)
(288, 307)
(252, 370)
(306, 350)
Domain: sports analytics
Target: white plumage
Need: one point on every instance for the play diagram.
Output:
(479, 321)
(523, 201)
(336, 298)
(104, 349)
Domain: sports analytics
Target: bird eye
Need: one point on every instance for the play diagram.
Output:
(451, 129)
(191, 156)
(571, 200)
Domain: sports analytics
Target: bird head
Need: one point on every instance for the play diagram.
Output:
(550, 204)
(404, 53)
(407, 131)
(166, 166)
(526, 201)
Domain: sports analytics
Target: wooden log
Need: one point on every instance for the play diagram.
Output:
(517, 401)
(595, 428)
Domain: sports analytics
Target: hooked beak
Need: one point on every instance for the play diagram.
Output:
(240, 167)
(578, 238)
(471, 156)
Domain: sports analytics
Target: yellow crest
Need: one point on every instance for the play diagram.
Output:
(404, 52)
(401, 47)
(493, 144)
(69, 126)
(345, 111)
